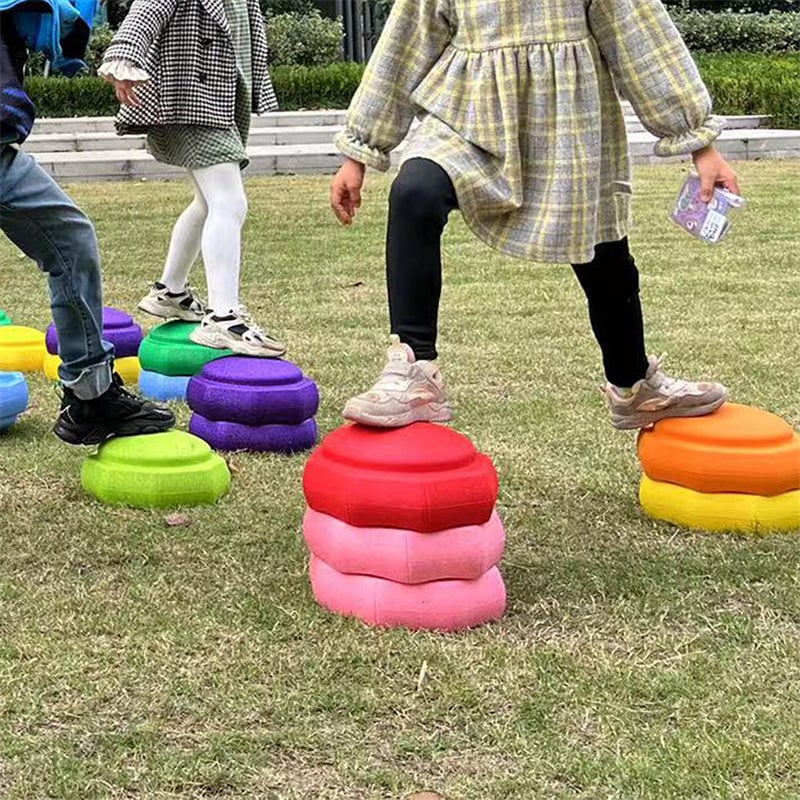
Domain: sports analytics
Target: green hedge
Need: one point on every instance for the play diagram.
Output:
(739, 84)
(751, 33)
(745, 83)
(296, 87)
(740, 6)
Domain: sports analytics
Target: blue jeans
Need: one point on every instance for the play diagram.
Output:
(49, 228)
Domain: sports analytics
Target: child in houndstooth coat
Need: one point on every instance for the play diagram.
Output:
(521, 129)
(190, 73)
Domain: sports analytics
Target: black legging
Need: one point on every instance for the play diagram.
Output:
(420, 203)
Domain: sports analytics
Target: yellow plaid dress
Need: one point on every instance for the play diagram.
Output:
(518, 105)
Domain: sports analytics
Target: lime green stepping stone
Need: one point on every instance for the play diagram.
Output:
(160, 470)
(4, 318)
(168, 350)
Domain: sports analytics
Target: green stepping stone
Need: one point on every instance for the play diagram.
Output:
(168, 350)
(161, 470)
(4, 318)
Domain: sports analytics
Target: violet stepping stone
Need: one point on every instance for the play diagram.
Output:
(253, 391)
(118, 328)
(257, 438)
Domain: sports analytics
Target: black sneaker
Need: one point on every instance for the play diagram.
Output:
(115, 413)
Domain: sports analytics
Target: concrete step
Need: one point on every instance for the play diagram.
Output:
(278, 119)
(294, 159)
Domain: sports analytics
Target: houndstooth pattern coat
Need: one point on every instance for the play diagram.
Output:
(186, 47)
(518, 104)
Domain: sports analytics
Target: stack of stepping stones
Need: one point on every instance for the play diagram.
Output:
(736, 470)
(256, 404)
(169, 358)
(120, 330)
(403, 529)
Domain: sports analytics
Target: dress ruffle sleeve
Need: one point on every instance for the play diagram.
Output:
(382, 110)
(653, 68)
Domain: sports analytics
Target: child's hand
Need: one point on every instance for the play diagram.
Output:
(125, 91)
(714, 170)
(346, 190)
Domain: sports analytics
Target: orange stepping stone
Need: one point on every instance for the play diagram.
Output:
(737, 449)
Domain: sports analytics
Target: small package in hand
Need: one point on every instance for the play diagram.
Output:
(711, 221)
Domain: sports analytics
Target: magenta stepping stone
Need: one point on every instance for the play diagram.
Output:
(118, 328)
(253, 391)
(258, 438)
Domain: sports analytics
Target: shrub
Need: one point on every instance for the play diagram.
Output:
(738, 6)
(271, 8)
(309, 41)
(72, 97)
(744, 83)
(725, 33)
(316, 87)
(98, 44)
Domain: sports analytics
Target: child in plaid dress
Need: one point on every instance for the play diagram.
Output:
(190, 73)
(522, 130)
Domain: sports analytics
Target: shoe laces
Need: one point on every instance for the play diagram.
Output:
(243, 312)
(663, 382)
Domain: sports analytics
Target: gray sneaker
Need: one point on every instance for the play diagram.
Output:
(237, 331)
(407, 391)
(657, 396)
(186, 305)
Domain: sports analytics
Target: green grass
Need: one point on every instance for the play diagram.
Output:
(635, 661)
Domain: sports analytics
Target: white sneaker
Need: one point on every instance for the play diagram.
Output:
(407, 391)
(237, 332)
(185, 305)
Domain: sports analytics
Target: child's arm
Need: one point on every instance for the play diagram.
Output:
(653, 69)
(381, 112)
(141, 27)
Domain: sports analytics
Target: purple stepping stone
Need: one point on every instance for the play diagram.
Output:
(257, 438)
(253, 391)
(118, 328)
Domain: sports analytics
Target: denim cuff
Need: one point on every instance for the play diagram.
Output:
(92, 381)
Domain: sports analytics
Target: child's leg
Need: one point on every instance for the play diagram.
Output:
(47, 226)
(184, 247)
(411, 388)
(227, 325)
(222, 188)
(421, 199)
(638, 392)
(611, 285)
(171, 297)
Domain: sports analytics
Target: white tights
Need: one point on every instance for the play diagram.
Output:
(212, 224)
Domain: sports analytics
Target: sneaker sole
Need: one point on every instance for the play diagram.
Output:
(219, 342)
(169, 313)
(648, 418)
(95, 436)
(431, 412)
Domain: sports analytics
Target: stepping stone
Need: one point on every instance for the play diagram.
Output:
(258, 404)
(737, 469)
(161, 470)
(168, 350)
(13, 398)
(163, 387)
(21, 349)
(118, 328)
(4, 318)
(423, 477)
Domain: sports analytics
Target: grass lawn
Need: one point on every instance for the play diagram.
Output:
(635, 660)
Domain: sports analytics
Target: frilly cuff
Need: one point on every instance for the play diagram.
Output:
(690, 141)
(354, 148)
(123, 71)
